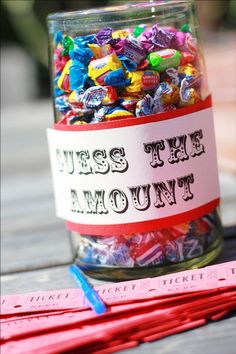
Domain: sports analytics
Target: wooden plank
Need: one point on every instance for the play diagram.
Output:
(33, 249)
(40, 280)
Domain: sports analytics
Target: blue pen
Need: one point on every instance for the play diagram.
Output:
(91, 295)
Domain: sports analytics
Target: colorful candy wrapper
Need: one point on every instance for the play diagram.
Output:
(61, 104)
(157, 38)
(143, 65)
(80, 116)
(135, 81)
(150, 80)
(185, 42)
(129, 103)
(164, 90)
(148, 251)
(127, 63)
(173, 75)
(187, 57)
(116, 78)
(189, 71)
(138, 30)
(58, 92)
(188, 95)
(93, 96)
(64, 80)
(77, 75)
(192, 247)
(104, 36)
(121, 33)
(67, 45)
(75, 99)
(58, 37)
(185, 28)
(84, 41)
(79, 122)
(99, 95)
(100, 114)
(172, 96)
(99, 68)
(145, 106)
(163, 59)
(174, 250)
(82, 55)
(111, 96)
(161, 37)
(118, 112)
(133, 50)
(99, 51)
(142, 80)
(121, 255)
(59, 60)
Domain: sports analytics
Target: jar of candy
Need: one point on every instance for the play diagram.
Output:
(132, 148)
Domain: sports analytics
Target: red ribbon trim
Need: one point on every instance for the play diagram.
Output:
(143, 226)
(120, 123)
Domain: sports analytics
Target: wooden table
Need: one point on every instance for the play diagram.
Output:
(35, 246)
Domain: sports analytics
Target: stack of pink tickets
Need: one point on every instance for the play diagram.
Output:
(138, 311)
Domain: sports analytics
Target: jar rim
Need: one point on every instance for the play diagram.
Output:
(109, 10)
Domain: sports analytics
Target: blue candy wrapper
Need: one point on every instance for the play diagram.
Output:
(116, 78)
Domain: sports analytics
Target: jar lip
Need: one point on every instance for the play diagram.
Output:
(69, 15)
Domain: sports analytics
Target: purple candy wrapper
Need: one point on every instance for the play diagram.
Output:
(133, 50)
(104, 36)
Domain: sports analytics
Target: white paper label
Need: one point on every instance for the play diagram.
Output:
(138, 177)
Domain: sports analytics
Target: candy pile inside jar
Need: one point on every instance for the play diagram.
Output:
(166, 246)
(127, 73)
(122, 74)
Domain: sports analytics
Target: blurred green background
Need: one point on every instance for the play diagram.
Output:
(24, 38)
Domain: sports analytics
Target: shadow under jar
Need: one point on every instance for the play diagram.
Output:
(136, 67)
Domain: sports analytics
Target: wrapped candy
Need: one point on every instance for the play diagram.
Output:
(163, 59)
(99, 68)
(99, 51)
(83, 55)
(59, 60)
(188, 71)
(64, 80)
(150, 80)
(118, 112)
(145, 106)
(188, 95)
(93, 96)
(185, 42)
(147, 251)
(142, 80)
(171, 96)
(133, 50)
(116, 78)
(67, 45)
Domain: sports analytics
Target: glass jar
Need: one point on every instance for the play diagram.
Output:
(115, 64)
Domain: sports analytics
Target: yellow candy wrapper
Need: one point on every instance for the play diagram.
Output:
(171, 97)
(135, 78)
(99, 51)
(121, 34)
(99, 68)
(118, 113)
(64, 82)
(188, 70)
